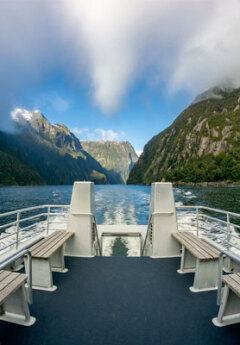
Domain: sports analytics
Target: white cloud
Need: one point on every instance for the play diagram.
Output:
(79, 131)
(108, 134)
(98, 134)
(139, 152)
(183, 44)
(113, 44)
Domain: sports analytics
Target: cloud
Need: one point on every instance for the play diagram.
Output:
(110, 45)
(108, 134)
(189, 45)
(79, 131)
(98, 134)
(139, 152)
(52, 103)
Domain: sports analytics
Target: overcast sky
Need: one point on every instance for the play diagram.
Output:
(115, 69)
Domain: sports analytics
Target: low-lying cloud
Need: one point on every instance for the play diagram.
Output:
(110, 45)
(99, 134)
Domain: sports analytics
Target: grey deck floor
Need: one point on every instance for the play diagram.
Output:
(119, 301)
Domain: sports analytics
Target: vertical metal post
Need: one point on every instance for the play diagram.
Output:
(29, 274)
(219, 292)
(197, 225)
(228, 231)
(17, 226)
(48, 215)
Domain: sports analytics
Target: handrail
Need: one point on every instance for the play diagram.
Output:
(96, 233)
(13, 258)
(220, 267)
(149, 225)
(21, 210)
(217, 210)
(17, 229)
(224, 231)
(147, 234)
(11, 228)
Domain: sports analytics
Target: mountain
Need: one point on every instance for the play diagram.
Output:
(202, 145)
(48, 153)
(117, 158)
(14, 168)
(39, 152)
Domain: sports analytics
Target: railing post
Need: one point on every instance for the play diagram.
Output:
(48, 214)
(228, 231)
(197, 225)
(17, 226)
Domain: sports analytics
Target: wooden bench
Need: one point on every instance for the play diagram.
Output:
(200, 257)
(13, 303)
(48, 256)
(229, 310)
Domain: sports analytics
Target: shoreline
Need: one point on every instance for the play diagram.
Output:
(206, 184)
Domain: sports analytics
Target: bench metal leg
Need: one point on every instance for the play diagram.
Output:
(15, 309)
(188, 262)
(229, 310)
(42, 275)
(206, 276)
(57, 261)
(230, 266)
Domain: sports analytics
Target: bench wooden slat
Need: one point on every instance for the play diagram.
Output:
(47, 246)
(4, 274)
(54, 245)
(52, 250)
(9, 277)
(193, 246)
(204, 245)
(202, 254)
(12, 286)
(45, 242)
(230, 281)
(40, 244)
(190, 246)
(236, 278)
(193, 240)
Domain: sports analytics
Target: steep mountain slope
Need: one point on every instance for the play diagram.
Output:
(117, 158)
(51, 151)
(202, 145)
(14, 168)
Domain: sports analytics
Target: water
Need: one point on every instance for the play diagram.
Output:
(119, 204)
(116, 204)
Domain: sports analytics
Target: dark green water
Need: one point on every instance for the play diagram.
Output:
(116, 204)
(119, 204)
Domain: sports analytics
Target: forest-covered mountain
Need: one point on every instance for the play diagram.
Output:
(202, 145)
(117, 158)
(38, 152)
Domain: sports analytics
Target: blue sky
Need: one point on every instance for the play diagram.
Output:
(115, 69)
(144, 113)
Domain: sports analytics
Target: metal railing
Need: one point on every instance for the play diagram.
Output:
(233, 257)
(95, 238)
(19, 225)
(15, 257)
(148, 242)
(219, 226)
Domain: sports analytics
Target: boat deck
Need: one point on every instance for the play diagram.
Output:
(119, 301)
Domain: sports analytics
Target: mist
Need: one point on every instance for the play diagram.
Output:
(109, 46)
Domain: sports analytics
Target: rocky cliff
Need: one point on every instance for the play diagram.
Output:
(117, 158)
(50, 152)
(39, 152)
(202, 145)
